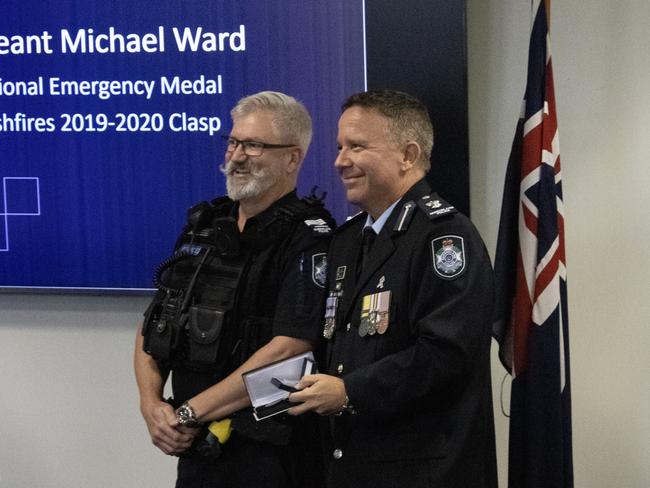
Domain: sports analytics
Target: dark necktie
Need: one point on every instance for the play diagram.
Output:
(367, 239)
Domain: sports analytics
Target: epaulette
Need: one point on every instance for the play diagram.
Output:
(319, 227)
(435, 207)
(432, 205)
(311, 211)
(319, 220)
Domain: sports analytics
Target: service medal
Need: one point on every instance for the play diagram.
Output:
(375, 315)
(364, 325)
(372, 322)
(328, 330)
(383, 311)
(364, 322)
(331, 305)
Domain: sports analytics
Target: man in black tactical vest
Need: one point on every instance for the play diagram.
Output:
(243, 288)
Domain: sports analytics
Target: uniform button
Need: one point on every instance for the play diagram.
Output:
(347, 327)
(339, 368)
(337, 454)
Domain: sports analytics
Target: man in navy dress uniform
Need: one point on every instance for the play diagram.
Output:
(407, 318)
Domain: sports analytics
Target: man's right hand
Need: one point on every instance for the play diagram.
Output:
(166, 434)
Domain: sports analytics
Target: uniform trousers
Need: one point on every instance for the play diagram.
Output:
(243, 463)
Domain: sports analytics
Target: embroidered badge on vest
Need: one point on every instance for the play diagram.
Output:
(448, 256)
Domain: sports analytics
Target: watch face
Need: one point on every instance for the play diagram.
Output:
(186, 416)
(182, 415)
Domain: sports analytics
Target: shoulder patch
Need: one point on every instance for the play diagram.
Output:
(448, 254)
(319, 269)
(318, 227)
(434, 207)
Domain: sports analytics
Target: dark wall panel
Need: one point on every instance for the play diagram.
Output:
(419, 47)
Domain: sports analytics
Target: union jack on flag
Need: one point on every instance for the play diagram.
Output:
(531, 319)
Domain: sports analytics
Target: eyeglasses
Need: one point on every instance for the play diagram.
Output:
(251, 148)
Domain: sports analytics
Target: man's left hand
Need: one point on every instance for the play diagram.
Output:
(320, 393)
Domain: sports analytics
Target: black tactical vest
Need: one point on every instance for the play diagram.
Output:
(195, 322)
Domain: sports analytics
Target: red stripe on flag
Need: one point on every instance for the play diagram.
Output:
(532, 150)
(530, 220)
(545, 278)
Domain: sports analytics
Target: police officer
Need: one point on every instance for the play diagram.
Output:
(244, 288)
(407, 316)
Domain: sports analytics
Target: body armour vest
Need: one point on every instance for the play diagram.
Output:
(217, 293)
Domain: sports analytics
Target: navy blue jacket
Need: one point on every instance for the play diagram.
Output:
(420, 381)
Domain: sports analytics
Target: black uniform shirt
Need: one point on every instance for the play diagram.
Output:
(289, 275)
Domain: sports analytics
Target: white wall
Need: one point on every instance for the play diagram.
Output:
(602, 80)
(68, 401)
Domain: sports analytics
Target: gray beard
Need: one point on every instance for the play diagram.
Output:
(262, 179)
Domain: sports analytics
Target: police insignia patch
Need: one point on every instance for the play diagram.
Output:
(448, 256)
(319, 269)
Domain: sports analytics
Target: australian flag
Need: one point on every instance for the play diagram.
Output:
(531, 320)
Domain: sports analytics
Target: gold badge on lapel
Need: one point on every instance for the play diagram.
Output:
(375, 314)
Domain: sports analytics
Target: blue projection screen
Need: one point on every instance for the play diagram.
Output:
(111, 116)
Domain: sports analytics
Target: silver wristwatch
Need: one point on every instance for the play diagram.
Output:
(347, 407)
(186, 416)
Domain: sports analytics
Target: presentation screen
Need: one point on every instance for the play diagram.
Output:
(112, 116)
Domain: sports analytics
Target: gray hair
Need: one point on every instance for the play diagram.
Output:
(290, 117)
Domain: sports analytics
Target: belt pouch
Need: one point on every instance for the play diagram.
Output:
(158, 333)
(205, 330)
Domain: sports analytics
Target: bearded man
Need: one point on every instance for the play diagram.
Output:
(244, 288)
